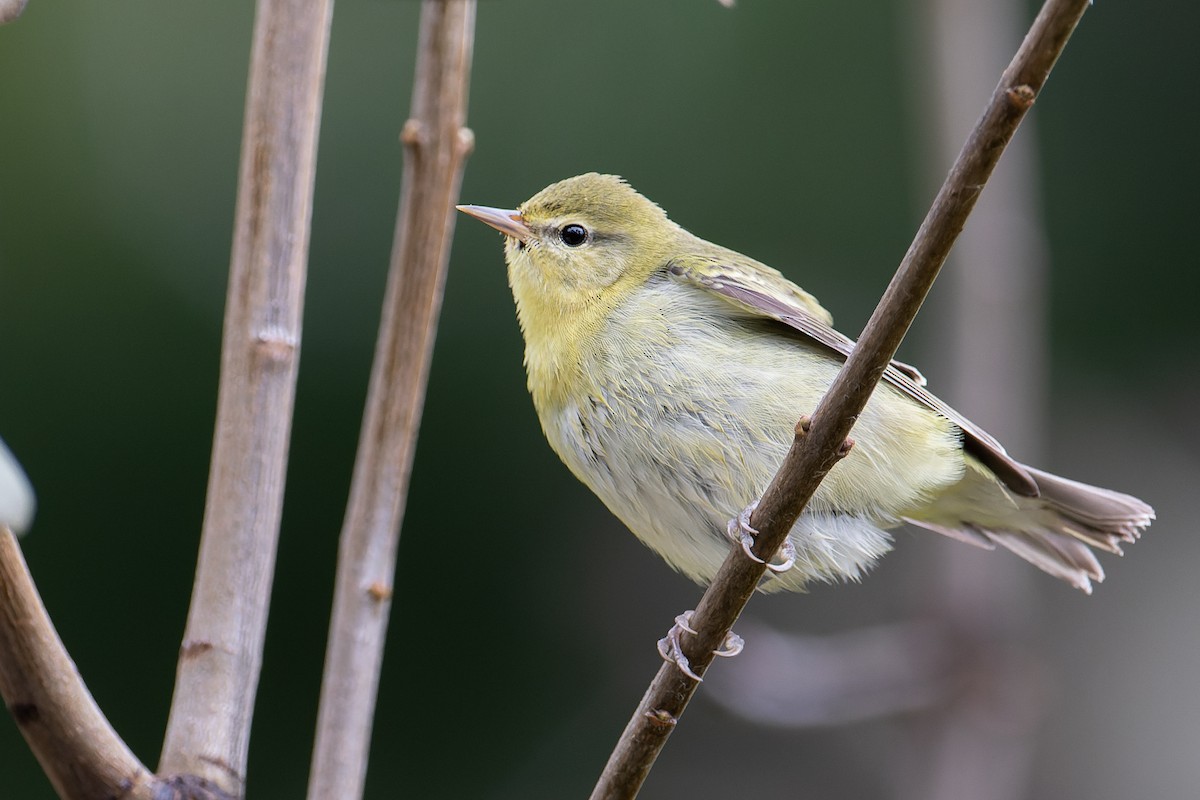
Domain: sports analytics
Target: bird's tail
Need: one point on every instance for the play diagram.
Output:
(1054, 531)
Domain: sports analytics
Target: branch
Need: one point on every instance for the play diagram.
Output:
(79, 751)
(820, 443)
(208, 730)
(436, 144)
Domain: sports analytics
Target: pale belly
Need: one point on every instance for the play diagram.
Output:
(677, 442)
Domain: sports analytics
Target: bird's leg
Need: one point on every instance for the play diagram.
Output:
(742, 532)
(672, 652)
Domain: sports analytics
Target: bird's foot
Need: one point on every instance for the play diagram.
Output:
(672, 652)
(741, 531)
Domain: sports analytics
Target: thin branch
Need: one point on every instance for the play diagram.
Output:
(436, 144)
(81, 754)
(819, 444)
(209, 728)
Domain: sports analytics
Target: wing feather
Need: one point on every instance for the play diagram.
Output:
(765, 292)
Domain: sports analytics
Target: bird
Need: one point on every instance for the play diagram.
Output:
(668, 374)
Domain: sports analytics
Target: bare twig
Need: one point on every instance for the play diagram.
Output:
(79, 751)
(819, 445)
(208, 731)
(436, 144)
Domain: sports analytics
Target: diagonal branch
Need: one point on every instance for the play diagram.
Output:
(82, 755)
(820, 443)
(209, 727)
(436, 145)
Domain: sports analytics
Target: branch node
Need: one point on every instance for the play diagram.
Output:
(275, 345)
(193, 648)
(803, 426)
(224, 766)
(662, 718)
(24, 713)
(466, 142)
(190, 787)
(844, 448)
(379, 591)
(1021, 97)
(414, 134)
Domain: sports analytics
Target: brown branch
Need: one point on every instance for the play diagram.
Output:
(209, 727)
(436, 144)
(81, 754)
(818, 446)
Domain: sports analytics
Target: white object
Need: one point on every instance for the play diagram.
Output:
(16, 493)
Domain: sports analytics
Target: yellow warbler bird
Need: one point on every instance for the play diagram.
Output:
(669, 372)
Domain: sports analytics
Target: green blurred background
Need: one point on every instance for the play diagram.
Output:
(790, 131)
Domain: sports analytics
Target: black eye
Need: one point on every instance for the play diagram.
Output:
(573, 235)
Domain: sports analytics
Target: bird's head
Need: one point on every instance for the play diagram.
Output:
(579, 245)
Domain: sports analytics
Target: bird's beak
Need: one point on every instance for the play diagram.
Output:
(507, 221)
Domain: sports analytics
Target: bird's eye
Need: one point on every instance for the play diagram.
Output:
(573, 235)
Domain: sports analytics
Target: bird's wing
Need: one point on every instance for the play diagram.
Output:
(765, 292)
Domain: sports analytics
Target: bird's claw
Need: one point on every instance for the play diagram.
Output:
(684, 622)
(788, 551)
(732, 645)
(672, 652)
(742, 532)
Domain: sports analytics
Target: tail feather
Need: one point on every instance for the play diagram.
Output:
(1053, 531)
(1102, 513)
(1053, 552)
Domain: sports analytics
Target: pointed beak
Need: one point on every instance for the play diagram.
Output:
(507, 221)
